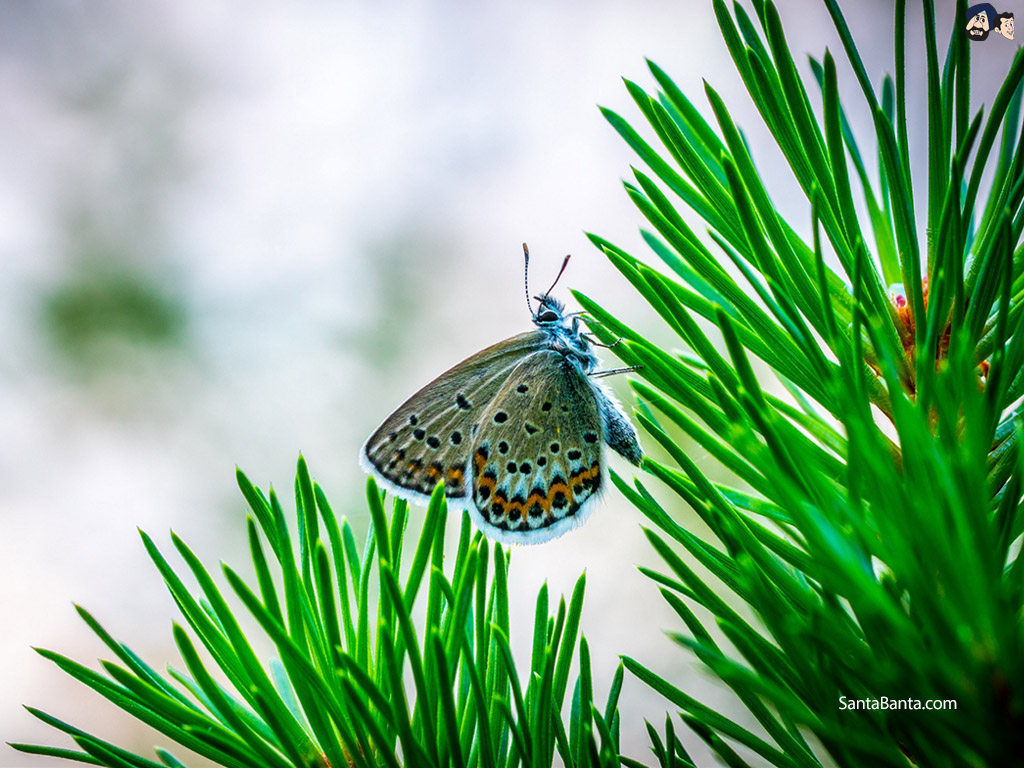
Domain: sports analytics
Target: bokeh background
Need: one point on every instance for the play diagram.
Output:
(230, 232)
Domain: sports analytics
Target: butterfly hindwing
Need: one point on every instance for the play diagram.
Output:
(537, 455)
(428, 438)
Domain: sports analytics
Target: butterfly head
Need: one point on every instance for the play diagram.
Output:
(549, 312)
(552, 317)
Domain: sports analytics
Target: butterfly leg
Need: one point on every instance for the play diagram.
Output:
(593, 340)
(614, 372)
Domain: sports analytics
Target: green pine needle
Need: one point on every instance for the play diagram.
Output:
(336, 692)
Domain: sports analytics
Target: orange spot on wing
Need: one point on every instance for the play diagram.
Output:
(515, 509)
(481, 482)
(583, 472)
(544, 501)
(553, 490)
(479, 462)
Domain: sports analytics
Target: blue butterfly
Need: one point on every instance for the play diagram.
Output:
(516, 432)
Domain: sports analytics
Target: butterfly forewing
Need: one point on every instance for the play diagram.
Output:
(536, 459)
(429, 437)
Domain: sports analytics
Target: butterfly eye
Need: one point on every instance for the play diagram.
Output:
(547, 316)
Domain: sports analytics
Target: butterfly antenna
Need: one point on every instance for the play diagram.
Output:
(526, 277)
(565, 263)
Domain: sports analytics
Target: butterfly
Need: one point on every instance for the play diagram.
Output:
(516, 431)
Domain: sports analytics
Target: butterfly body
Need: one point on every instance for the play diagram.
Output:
(516, 432)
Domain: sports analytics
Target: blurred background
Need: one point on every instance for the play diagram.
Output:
(233, 232)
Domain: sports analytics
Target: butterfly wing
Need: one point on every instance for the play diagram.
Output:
(428, 438)
(537, 464)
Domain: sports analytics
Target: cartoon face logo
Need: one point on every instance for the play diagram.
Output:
(980, 19)
(1004, 25)
(978, 22)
